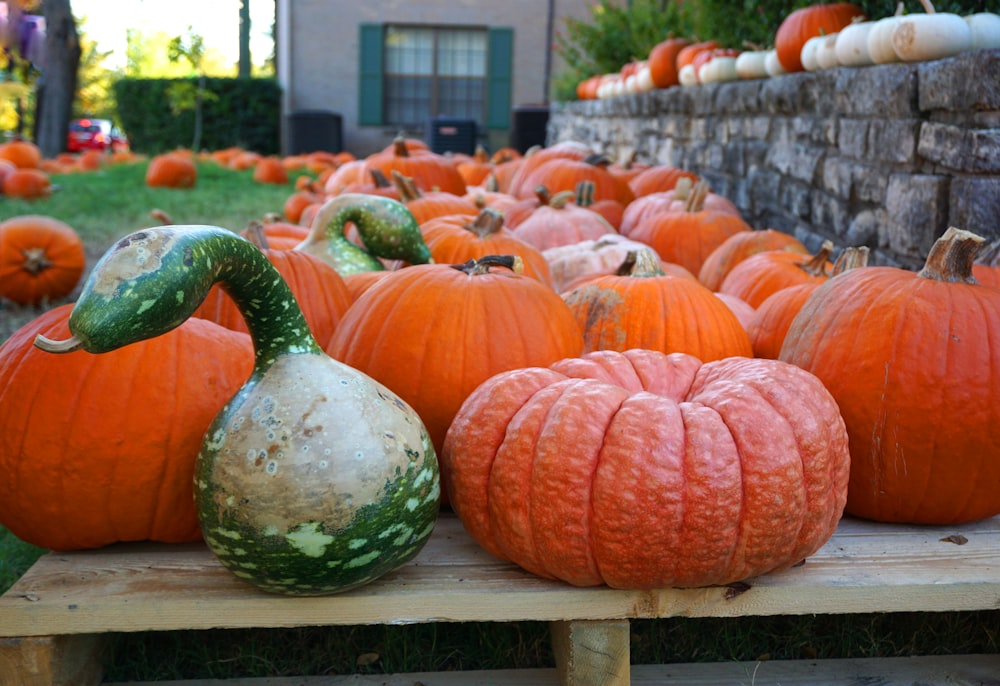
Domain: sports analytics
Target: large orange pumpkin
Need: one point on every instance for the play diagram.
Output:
(97, 449)
(434, 332)
(23, 154)
(808, 22)
(663, 62)
(679, 473)
(913, 362)
(429, 170)
(41, 259)
(762, 274)
(27, 184)
(642, 307)
(740, 246)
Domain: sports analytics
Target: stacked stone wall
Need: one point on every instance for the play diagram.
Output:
(887, 156)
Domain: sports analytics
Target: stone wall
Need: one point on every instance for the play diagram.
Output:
(886, 156)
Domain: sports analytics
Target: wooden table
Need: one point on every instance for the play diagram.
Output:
(52, 619)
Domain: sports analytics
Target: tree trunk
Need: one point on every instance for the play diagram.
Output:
(244, 63)
(57, 84)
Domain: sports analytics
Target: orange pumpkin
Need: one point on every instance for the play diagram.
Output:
(565, 174)
(658, 178)
(642, 307)
(740, 246)
(270, 170)
(22, 154)
(426, 205)
(27, 183)
(98, 449)
(434, 332)
(457, 238)
(41, 259)
(760, 275)
(687, 237)
(770, 322)
(525, 166)
(911, 359)
(669, 482)
(429, 171)
(808, 22)
(171, 170)
(663, 62)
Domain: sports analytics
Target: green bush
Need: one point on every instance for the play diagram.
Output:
(618, 32)
(237, 112)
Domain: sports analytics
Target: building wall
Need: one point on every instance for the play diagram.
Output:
(887, 156)
(318, 51)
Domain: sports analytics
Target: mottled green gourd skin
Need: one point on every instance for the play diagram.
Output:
(314, 478)
(386, 226)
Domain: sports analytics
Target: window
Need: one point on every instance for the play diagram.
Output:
(431, 72)
(409, 74)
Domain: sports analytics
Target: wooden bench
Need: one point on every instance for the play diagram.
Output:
(52, 620)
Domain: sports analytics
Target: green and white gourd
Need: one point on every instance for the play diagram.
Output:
(314, 478)
(386, 227)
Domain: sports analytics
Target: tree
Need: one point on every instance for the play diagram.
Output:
(56, 88)
(243, 71)
(182, 95)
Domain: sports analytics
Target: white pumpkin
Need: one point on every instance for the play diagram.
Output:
(880, 40)
(985, 27)
(687, 75)
(752, 64)
(773, 64)
(718, 69)
(808, 54)
(644, 79)
(922, 37)
(852, 44)
(826, 52)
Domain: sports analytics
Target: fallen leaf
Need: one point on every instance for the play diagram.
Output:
(735, 589)
(366, 659)
(957, 539)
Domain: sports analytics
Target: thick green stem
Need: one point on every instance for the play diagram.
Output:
(152, 280)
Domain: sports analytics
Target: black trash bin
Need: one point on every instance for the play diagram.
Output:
(445, 134)
(314, 131)
(529, 124)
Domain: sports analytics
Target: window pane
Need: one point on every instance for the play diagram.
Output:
(433, 72)
(409, 51)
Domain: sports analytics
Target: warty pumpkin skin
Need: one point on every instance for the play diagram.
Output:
(100, 449)
(681, 473)
(912, 359)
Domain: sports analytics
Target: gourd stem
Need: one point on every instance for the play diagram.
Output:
(488, 222)
(483, 264)
(641, 263)
(817, 264)
(49, 345)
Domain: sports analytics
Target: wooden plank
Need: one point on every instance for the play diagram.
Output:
(955, 670)
(592, 652)
(865, 567)
(51, 660)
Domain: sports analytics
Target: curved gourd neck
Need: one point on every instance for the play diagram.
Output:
(153, 280)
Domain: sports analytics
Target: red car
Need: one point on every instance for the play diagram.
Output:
(95, 134)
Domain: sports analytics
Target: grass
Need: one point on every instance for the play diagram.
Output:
(108, 204)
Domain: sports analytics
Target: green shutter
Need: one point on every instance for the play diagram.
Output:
(370, 70)
(498, 78)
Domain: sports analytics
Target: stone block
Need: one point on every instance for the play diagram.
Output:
(795, 94)
(885, 90)
(917, 213)
(738, 98)
(974, 205)
(864, 228)
(796, 197)
(964, 83)
(836, 177)
(829, 216)
(852, 137)
(975, 151)
(797, 160)
(893, 140)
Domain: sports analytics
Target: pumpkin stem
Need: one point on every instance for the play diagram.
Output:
(560, 199)
(480, 155)
(696, 200)
(817, 264)
(408, 191)
(491, 184)
(682, 189)
(255, 234)
(641, 263)
(378, 178)
(852, 257)
(399, 148)
(597, 159)
(928, 6)
(483, 264)
(161, 216)
(488, 222)
(35, 261)
(71, 344)
(584, 194)
(951, 257)
(543, 195)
